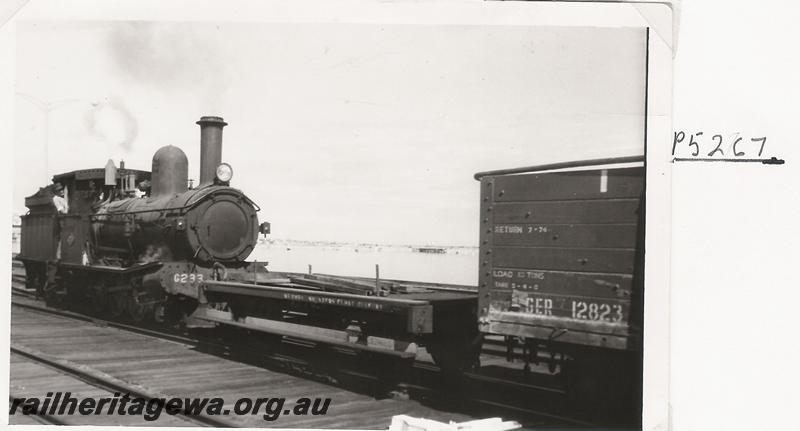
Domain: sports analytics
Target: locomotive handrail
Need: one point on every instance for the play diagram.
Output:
(255, 205)
(184, 207)
(93, 216)
(151, 210)
(562, 165)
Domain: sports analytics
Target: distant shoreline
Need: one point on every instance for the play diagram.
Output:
(342, 244)
(334, 244)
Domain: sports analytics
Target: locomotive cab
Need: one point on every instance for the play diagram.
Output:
(85, 190)
(48, 235)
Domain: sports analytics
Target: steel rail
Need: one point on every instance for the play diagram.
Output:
(425, 371)
(42, 418)
(111, 384)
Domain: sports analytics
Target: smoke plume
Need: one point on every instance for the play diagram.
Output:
(180, 60)
(113, 122)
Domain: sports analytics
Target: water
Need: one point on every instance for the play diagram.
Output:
(455, 266)
(458, 265)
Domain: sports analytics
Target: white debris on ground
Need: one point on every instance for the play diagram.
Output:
(408, 423)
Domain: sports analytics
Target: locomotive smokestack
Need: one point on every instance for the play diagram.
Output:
(210, 148)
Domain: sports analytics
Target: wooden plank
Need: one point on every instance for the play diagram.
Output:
(608, 328)
(225, 378)
(516, 329)
(579, 212)
(394, 284)
(597, 285)
(351, 281)
(327, 285)
(618, 261)
(565, 235)
(619, 183)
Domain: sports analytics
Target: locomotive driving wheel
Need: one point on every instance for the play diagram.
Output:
(160, 312)
(139, 307)
(137, 311)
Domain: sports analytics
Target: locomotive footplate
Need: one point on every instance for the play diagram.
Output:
(392, 323)
(142, 267)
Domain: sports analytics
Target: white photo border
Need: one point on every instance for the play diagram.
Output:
(466, 12)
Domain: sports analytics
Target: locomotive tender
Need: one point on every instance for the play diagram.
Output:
(178, 255)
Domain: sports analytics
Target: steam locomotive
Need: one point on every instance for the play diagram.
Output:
(145, 245)
(138, 242)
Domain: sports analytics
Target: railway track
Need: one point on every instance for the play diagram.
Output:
(530, 402)
(492, 346)
(48, 370)
(172, 369)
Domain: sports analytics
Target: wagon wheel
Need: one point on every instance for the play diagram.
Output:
(604, 384)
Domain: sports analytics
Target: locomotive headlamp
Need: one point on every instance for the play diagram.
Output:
(224, 172)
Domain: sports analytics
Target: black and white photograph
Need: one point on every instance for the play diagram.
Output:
(385, 217)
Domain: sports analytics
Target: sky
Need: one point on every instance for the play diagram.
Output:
(340, 132)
